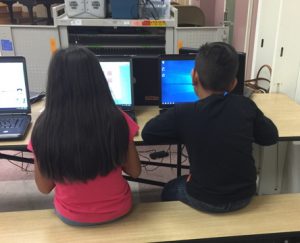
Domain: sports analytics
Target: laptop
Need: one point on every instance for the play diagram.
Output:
(14, 98)
(118, 73)
(176, 80)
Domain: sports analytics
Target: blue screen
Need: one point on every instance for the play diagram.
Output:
(118, 76)
(176, 82)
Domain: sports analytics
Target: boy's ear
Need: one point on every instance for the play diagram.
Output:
(232, 85)
(195, 77)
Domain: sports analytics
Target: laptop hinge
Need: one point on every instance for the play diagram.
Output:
(13, 114)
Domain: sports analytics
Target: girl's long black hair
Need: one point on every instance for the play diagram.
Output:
(81, 133)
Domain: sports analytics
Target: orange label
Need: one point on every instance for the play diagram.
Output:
(157, 23)
(53, 46)
(179, 44)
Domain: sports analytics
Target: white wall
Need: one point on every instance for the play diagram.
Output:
(251, 40)
(240, 24)
(219, 12)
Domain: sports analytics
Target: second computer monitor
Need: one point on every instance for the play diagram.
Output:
(118, 73)
(176, 79)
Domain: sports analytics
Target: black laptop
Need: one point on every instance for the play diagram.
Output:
(14, 98)
(118, 73)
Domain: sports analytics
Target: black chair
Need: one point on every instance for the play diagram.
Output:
(9, 4)
(47, 3)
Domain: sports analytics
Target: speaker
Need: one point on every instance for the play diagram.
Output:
(85, 8)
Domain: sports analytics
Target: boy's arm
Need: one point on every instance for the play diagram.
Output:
(162, 129)
(43, 184)
(265, 131)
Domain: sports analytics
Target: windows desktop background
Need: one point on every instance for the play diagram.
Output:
(176, 81)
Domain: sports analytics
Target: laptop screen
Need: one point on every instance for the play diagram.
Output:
(118, 74)
(13, 85)
(176, 79)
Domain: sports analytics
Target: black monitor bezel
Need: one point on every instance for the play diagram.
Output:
(121, 59)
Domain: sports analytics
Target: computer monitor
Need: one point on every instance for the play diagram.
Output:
(239, 88)
(176, 79)
(14, 97)
(118, 73)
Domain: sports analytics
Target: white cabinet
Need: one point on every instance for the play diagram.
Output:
(266, 25)
(278, 25)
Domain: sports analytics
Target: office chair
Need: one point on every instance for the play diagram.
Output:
(47, 3)
(260, 84)
(9, 4)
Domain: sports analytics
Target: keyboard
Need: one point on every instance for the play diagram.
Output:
(9, 122)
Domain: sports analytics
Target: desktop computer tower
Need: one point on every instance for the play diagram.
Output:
(85, 8)
(239, 88)
(146, 75)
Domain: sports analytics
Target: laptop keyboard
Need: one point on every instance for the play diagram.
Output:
(10, 122)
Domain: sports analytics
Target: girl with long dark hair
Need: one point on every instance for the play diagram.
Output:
(82, 142)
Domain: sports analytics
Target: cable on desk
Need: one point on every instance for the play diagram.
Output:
(23, 166)
(145, 166)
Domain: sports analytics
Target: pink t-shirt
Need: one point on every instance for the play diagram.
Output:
(103, 199)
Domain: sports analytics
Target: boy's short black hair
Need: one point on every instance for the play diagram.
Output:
(217, 65)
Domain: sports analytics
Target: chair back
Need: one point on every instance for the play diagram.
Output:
(261, 84)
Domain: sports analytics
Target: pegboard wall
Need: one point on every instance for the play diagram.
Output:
(36, 44)
(197, 36)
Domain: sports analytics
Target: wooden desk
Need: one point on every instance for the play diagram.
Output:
(271, 160)
(269, 216)
(144, 113)
(283, 111)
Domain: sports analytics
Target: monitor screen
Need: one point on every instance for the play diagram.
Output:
(176, 79)
(118, 74)
(13, 90)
